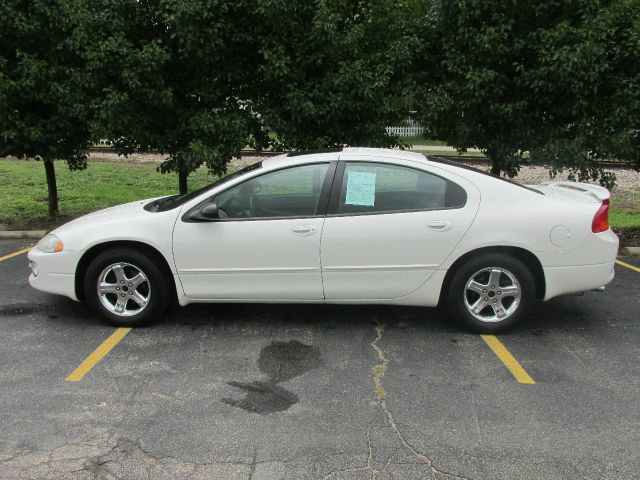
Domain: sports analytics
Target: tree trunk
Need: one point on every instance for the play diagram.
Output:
(182, 181)
(492, 153)
(52, 187)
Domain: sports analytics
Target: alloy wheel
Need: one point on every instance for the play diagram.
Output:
(124, 289)
(492, 294)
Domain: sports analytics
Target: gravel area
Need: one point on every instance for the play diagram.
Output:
(626, 193)
(133, 158)
(156, 158)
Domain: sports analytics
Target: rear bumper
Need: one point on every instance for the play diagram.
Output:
(587, 266)
(572, 279)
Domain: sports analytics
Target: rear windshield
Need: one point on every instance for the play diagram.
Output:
(169, 203)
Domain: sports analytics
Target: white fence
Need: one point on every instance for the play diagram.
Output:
(408, 131)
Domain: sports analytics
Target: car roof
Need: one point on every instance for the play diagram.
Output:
(347, 153)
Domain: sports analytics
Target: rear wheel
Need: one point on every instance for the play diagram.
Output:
(126, 287)
(490, 293)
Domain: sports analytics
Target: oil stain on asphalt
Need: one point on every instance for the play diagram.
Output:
(281, 361)
(16, 309)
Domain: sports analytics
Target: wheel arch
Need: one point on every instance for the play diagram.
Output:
(530, 260)
(93, 252)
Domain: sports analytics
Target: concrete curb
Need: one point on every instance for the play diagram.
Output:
(19, 234)
(632, 251)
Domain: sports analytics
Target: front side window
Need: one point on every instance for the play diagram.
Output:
(291, 192)
(379, 188)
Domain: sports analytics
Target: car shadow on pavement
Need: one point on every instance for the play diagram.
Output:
(566, 313)
(63, 311)
(311, 315)
(563, 313)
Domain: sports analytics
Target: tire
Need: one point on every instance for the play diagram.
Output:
(134, 292)
(480, 304)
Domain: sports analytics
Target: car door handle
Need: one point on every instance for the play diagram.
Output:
(440, 225)
(304, 229)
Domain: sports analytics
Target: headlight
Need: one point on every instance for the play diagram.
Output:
(50, 244)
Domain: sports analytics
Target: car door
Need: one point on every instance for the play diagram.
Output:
(389, 227)
(266, 243)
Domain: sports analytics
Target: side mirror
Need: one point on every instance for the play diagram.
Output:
(206, 213)
(209, 211)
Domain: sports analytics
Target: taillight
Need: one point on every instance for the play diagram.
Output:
(601, 220)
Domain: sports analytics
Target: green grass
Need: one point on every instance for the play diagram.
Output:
(23, 190)
(23, 187)
(420, 140)
(621, 219)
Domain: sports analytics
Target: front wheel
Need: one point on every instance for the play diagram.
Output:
(126, 287)
(490, 293)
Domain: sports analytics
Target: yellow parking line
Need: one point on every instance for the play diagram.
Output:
(97, 355)
(15, 254)
(509, 361)
(619, 262)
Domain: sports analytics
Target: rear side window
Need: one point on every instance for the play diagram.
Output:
(379, 188)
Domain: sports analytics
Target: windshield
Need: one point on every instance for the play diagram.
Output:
(173, 201)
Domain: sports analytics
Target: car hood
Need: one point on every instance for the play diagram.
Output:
(126, 210)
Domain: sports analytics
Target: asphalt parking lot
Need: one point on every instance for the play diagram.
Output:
(318, 392)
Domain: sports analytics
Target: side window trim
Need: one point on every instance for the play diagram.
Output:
(322, 203)
(336, 191)
(325, 191)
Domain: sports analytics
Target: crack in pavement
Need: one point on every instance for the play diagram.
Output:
(253, 463)
(127, 450)
(375, 473)
(404, 446)
(381, 369)
(102, 456)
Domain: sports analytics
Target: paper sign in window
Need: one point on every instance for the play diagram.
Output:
(361, 189)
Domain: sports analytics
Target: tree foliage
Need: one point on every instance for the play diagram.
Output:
(176, 76)
(332, 71)
(197, 80)
(43, 85)
(558, 79)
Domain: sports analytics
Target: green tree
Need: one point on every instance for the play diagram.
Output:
(43, 85)
(333, 71)
(603, 72)
(538, 77)
(176, 77)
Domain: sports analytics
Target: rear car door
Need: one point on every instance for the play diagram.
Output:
(389, 227)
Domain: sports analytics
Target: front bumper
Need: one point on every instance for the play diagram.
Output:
(55, 272)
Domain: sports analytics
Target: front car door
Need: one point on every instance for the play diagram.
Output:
(266, 243)
(389, 227)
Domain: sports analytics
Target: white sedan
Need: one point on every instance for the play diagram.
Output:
(351, 225)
